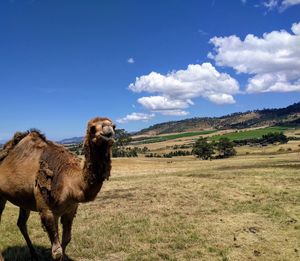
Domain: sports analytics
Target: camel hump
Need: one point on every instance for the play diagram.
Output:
(18, 136)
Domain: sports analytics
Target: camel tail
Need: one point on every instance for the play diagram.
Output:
(18, 136)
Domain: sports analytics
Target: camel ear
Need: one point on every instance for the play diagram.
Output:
(93, 129)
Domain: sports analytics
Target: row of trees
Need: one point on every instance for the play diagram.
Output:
(120, 147)
(203, 149)
(170, 154)
(206, 150)
(225, 148)
(122, 140)
(269, 138)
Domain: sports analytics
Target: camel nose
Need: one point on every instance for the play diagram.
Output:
(108, 131)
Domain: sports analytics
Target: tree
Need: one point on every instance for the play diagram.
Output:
(273, 137)
(122, 139)
(202, 149)
(225, 147)
(145, 150)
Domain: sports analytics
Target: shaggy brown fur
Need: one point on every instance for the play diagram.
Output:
(18, 136)
(39, 175)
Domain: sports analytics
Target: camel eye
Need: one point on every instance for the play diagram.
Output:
(93, 129)
(114, 126)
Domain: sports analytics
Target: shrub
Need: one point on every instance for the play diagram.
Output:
(225, 148)
(202, 149)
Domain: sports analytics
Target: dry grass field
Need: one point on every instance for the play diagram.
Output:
(243, 208)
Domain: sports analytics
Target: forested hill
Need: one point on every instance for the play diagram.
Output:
(266, 117)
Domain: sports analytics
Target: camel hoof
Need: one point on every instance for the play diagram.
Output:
(57, 254)
(33, 255)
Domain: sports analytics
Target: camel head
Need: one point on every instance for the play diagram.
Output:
(101, 131)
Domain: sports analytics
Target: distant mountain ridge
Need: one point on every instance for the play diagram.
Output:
(289, 115)
(71, 140)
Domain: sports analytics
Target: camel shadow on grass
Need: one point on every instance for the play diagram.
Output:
(21, 253)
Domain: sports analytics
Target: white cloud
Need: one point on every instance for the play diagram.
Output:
(288, 3)
(131, 60)
(177, 88)
(296, 28)
(270, 4)
(136, 116)
(273, 60)
(272, 83)
(279, 4)
(159, 103)
(174, 112)
(221, 98)
(165, 105)
(244, 2)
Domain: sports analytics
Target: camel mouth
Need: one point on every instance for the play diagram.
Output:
(108, 138)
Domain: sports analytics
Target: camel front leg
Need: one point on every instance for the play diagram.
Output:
(49, 221)
(67, 221)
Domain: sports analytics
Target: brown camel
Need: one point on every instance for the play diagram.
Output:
(40, 175)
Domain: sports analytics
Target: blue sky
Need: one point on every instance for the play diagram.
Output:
(143, 62)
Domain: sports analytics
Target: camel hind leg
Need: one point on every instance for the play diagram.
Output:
(22, 224)
(2, 206)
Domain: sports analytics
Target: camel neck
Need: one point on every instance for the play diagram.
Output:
(96, 169)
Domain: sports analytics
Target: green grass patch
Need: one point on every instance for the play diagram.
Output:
(239, 135)
(175, 136)
(250, 134)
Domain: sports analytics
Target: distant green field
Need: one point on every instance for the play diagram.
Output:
(240, 135)
(175, 136)
(250, 134)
